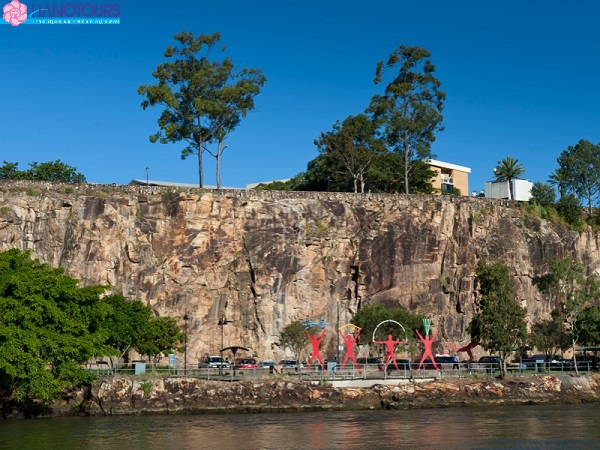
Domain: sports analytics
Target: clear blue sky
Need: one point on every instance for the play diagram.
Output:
(521, 77)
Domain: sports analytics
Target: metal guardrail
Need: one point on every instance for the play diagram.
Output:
(365, 371)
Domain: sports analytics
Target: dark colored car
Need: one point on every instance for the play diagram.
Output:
(372, 360)
(446, 362)
(491, 362)
(403, 364)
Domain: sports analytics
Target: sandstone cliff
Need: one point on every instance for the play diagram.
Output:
(236, 254)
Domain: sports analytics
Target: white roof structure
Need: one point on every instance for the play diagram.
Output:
(173, 184)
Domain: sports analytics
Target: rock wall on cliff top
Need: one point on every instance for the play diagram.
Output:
(236, 254)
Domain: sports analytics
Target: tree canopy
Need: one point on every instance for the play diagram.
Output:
(203, 99)
(46, 171)
(579, 171)
(49, 328)
(567, 287)
(409, 111)
(499, 324)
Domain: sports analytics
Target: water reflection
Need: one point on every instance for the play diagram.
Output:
(575, 426)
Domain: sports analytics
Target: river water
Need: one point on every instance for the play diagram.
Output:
(514, 427)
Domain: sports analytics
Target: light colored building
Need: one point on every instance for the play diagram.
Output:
(450, 177)
(499, 189)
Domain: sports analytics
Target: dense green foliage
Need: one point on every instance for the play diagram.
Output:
(542, 194)
(48, 328)
(350, 149)
(409, 111)
(46, 171)
(387, 148)
(368, 317)
(499, 324)
(570, 291)
(293, 336)
(589, 324)
(125, 322)
(203, 99)
(160, 335)
(579, 171)
(549, 335)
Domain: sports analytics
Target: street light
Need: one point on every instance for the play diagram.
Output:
(147, 170)
(222, 322)
(185, 320)
(337, 361)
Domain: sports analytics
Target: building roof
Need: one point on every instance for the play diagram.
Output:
(173, 184)
(445, 165)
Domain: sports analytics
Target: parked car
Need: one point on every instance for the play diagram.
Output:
(491, 362)
(289, 364)
(267, 364)
(213, 362)
(403, 364)
(245, 363)
(371, 360)
(446, 362)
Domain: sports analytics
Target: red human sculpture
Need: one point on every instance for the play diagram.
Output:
(350, 339)
(466, 348)
(390, 344)
(316, 342)
(427, 343)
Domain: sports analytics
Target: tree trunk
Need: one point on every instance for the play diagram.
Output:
(200, 179)
(510, 190)
(219, 151)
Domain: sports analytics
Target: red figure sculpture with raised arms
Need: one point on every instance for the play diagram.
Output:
(466, 348)
(390, 344)
(316, 342)
(427, 341)
(350, 339)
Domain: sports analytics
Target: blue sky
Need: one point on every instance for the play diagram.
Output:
(521, 78)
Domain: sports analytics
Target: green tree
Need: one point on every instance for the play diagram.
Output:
(409, 112)
(566, 285)
(369, 316)
(48, 328)
(542, 194)
(509, 169)
(549, 335)
(203, 99)
(46, 171)
(590, 326)
(569, 208)
(125, 322)
(559, 179)
(161, 335)
(10, 171)
(580, 165)
(352, 145)
(499, 324)
(293, 336)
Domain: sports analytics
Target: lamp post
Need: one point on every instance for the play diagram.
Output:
(222, 322)
(147, 170)
(185, 320)
(337, 361)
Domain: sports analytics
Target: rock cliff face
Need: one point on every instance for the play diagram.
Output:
(236, 254)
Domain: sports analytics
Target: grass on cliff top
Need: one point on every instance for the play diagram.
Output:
(536, 211)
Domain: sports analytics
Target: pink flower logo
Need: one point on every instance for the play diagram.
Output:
(15, 13)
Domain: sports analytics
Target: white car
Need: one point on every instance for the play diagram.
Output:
(213, 362)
